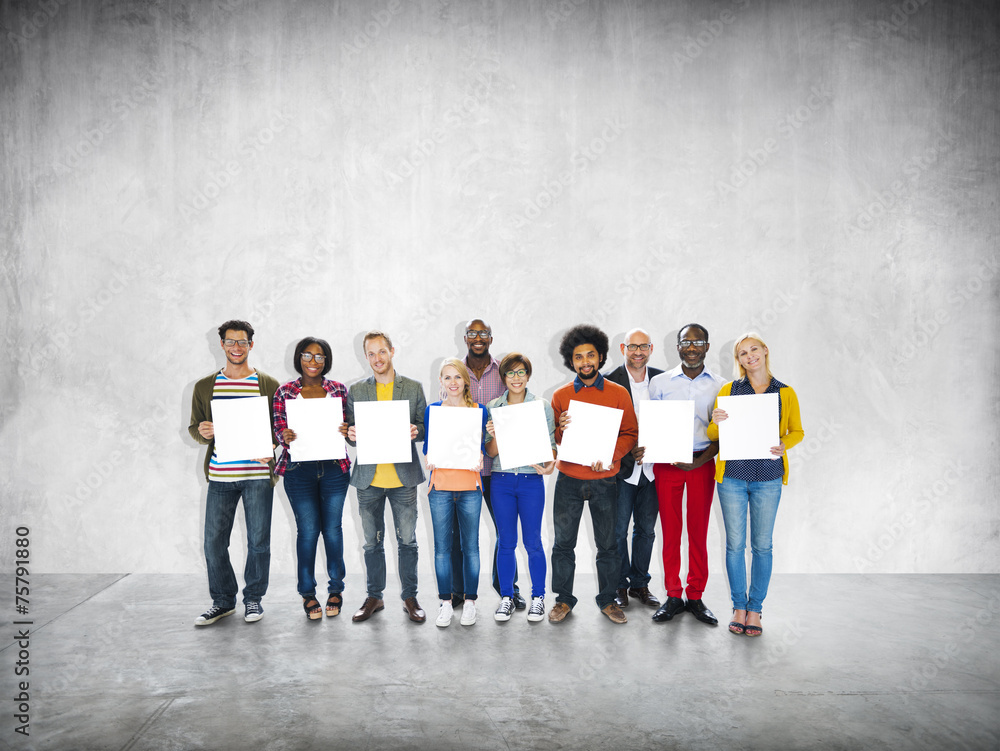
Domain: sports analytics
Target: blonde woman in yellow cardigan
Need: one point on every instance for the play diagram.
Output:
(752, 487)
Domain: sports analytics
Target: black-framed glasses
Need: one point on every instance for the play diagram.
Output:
(309, 357)
(640, 347)
(481, 334)
(519, 373)
(234, 342)
(685, 343)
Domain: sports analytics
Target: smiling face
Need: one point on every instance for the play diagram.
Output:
(516, 378)
(312, 369)
(586, 362)
(637, 358)
(379, 355)
(452, 383)
(751, 354)
(478, 347)
(236, 353)
(692, 353)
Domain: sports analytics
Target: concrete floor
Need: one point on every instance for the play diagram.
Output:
(845, 662)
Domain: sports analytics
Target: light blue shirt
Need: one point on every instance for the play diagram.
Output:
(501, 401)
(702, 390)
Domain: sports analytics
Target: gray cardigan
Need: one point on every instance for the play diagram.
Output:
(411, 474)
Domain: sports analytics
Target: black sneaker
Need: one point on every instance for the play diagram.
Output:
(254, 612)
(213, 614)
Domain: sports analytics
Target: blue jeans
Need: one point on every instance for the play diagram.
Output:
(761, 498)
(316, 492)
(567, 508)
(519, 496)
(456, 551)
(639, 504)
(220, 513)
(445, 506)
(371, 506)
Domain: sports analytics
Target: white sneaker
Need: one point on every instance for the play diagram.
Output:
(537, 610)
(469, 613)
(445, 613)
(504, 610)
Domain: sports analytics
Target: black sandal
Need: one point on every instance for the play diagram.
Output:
(311, 605)
(333, 604)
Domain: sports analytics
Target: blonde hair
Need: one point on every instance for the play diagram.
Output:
(462, 371)
(740, 371)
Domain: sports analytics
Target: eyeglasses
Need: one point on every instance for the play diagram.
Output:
(481, 334)
(234, 342)
(685, 343)
(641, 347)
(309, 357)
(519, 373)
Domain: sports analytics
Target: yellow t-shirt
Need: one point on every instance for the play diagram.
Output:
(385, 474)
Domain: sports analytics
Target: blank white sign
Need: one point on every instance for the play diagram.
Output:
(242, 428)
(454, 440)
(666, 430)
(592, 434)
(316, 423)
(751, 428)
(522, 434)
(383, 432)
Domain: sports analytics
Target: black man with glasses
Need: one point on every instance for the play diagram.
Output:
(252, 480)
(637, 502)
(690, 381)
(316, 489)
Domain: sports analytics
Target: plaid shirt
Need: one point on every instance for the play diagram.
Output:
(291, 390)
(485, 390)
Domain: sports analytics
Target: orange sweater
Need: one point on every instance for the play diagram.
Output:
(613, 395)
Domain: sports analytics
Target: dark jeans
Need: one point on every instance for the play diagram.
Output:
(456, 550)
(371, 507)
(220, 513)
(567, 508)
(316, 492)
(637, 503)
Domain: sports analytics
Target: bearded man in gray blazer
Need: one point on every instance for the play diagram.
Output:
(397, 482)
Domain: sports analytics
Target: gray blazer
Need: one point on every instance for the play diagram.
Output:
(411, 474)
(620, 376)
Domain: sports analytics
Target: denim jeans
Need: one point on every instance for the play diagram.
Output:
(371, 507)
(519, 496)
(220, 513)
(456, 551)
(567, 508)
(636, 503)
(445, 506)
(316, 492)
(761, 498)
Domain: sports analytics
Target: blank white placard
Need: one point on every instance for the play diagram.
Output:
(316, 423)
(666, 430)
(592, 434)
(383, 432)
(522, 434)
(751, 428)
(242, 428)
(454, 440)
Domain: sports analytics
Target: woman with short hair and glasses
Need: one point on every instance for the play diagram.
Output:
(519, 493)
(752, 487)
(315, 489)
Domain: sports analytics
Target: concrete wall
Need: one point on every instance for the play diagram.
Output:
(824, 172)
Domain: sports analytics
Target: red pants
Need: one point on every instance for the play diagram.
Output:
(670, 484)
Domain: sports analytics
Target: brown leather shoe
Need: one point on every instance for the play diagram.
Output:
(615, 613)
(621, 597)
(559, 612)
(372, 605)
(413, 609)
(643, 595)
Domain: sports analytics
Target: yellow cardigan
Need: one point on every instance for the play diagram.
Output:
(790, 427)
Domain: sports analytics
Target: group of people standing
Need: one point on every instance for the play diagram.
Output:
(625, 492)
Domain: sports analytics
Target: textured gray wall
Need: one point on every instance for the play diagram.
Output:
(825, 172)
